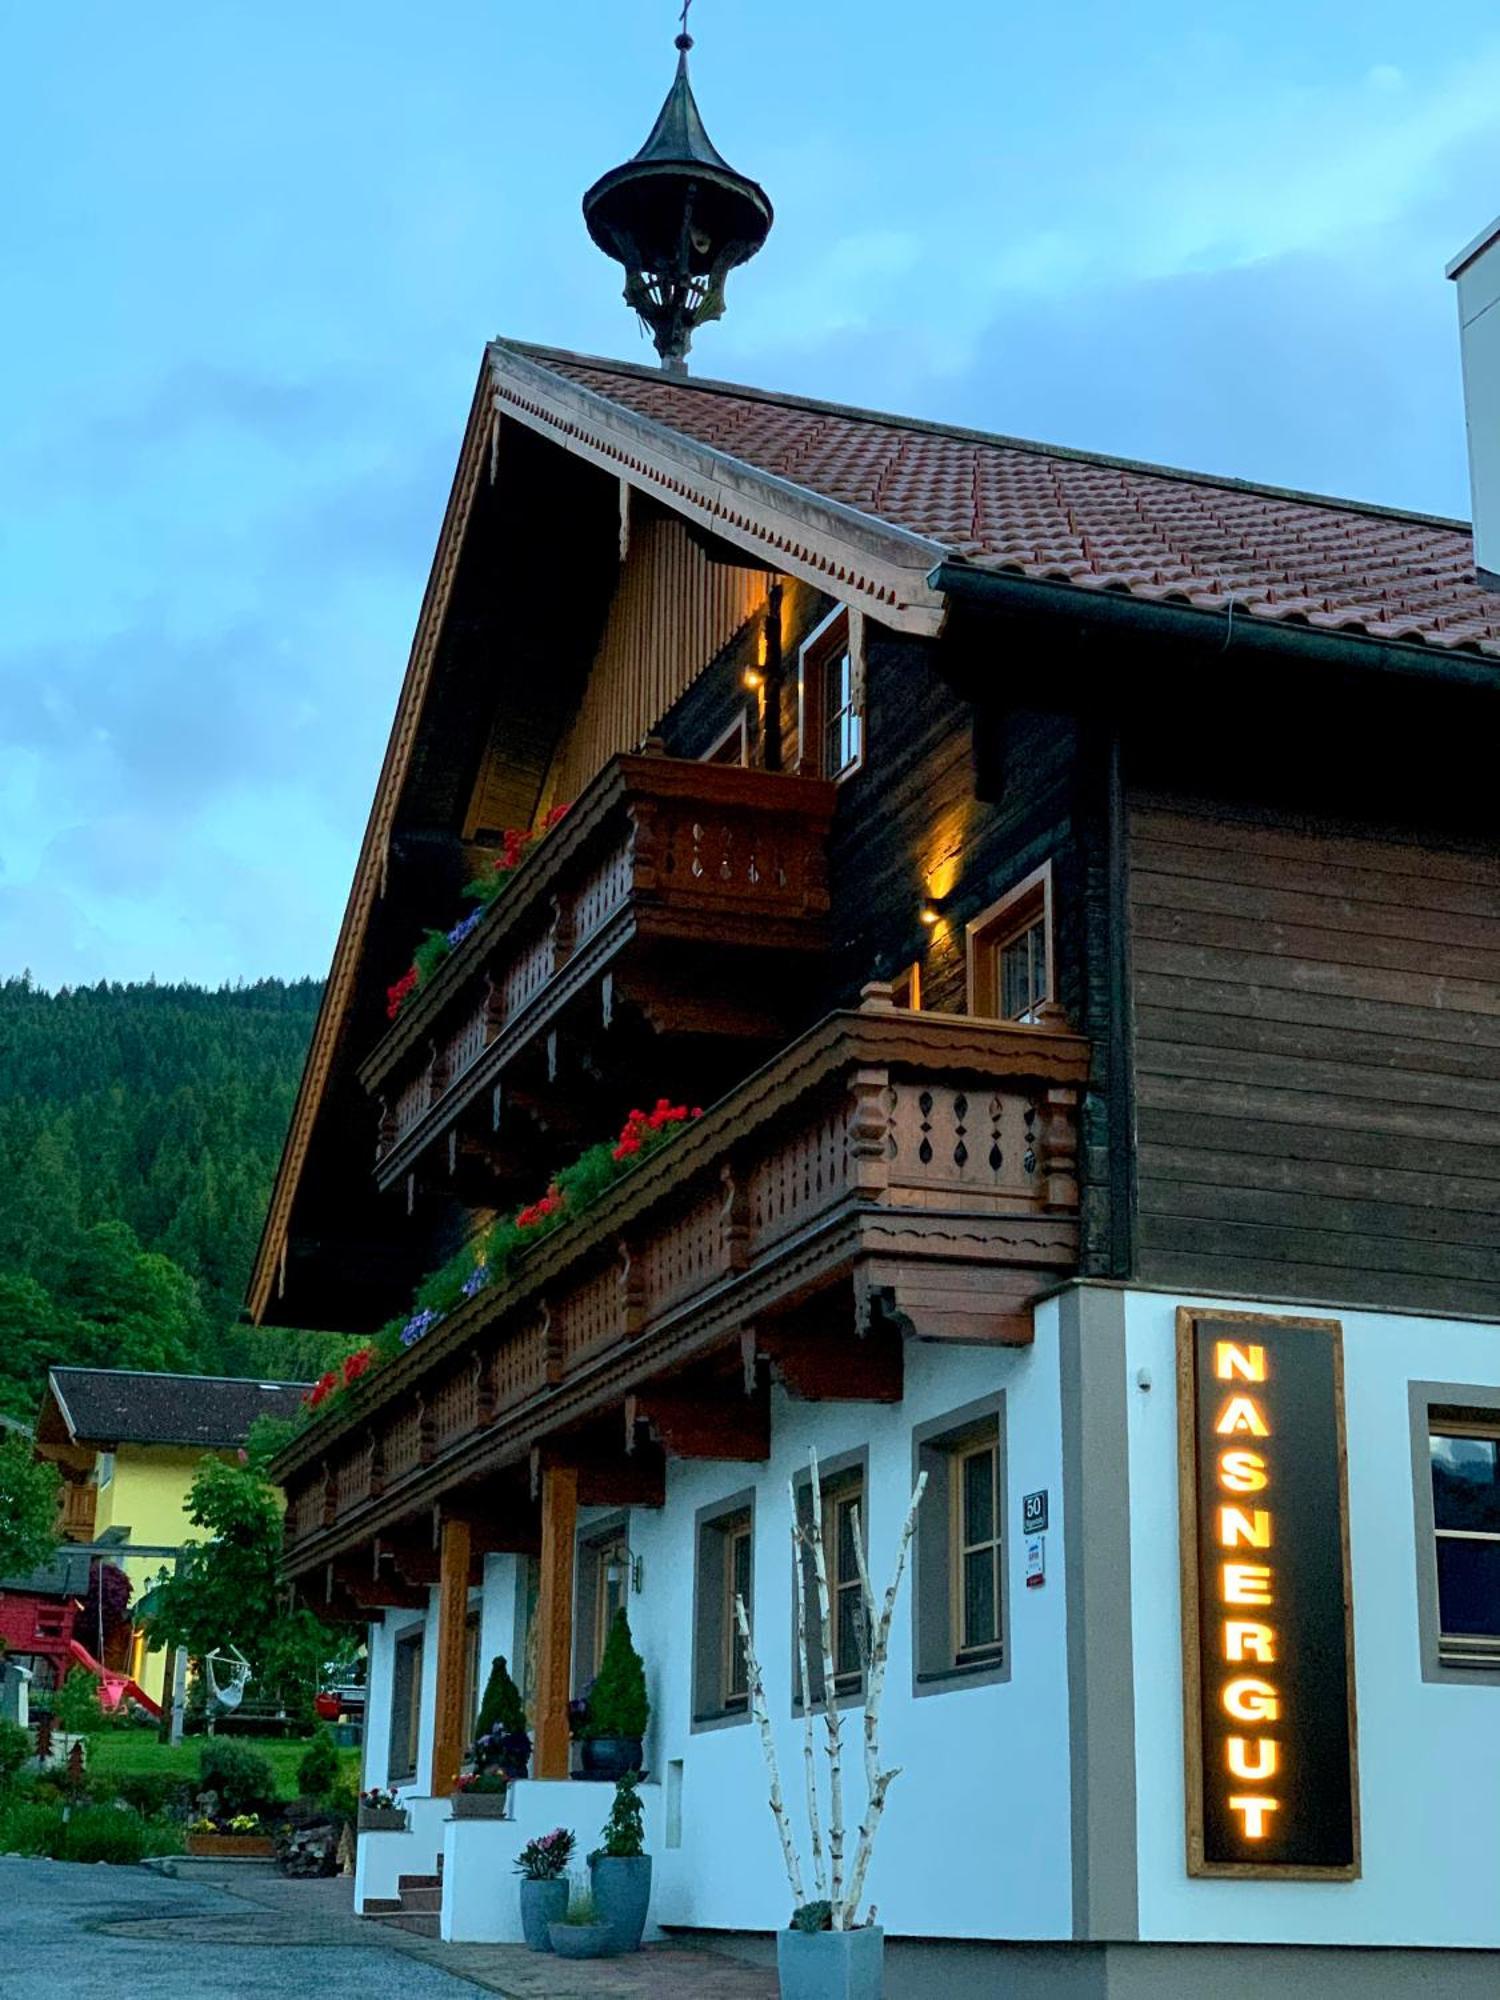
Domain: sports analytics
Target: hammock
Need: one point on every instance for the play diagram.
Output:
(231, 1692)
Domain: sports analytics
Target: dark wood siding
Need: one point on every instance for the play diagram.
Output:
(1317, 1062)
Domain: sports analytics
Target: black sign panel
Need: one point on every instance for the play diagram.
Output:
(1268, 1658)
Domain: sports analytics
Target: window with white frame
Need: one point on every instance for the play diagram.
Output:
(1464, 1459)
(831, 697)
(1010, 953)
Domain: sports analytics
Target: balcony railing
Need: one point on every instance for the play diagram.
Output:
(930, 1159)
(657, 852)
(76, 1511)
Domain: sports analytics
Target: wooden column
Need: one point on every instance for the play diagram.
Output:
(453, 1614)
(554, 1611)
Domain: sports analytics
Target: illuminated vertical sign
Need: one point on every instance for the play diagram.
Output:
(1267, 1629)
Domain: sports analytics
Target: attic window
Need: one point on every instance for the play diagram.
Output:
(1010, 952)
(831, 696)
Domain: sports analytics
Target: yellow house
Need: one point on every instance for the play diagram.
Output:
(127, 1445)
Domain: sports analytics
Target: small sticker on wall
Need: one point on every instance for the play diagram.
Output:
(1036, 1561)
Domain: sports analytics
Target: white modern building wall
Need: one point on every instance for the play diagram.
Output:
(1046, 1806)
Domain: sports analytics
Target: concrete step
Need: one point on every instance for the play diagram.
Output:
(405, 1882)
(421, 1900)
(381, 1906)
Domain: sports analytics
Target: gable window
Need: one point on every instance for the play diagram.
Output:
(843, 1493)
(906, 988)
(831, 690)
(733, 747)
(1010, 953)
(725, 1542)
(959, 1580)
(406, 1708)
(1465, 1468)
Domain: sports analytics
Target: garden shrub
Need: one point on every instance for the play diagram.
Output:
(114, 1833)
(75, 1707)
(242, 1777)
(29, 1828)
(617, 1703)
(343, 1799)
(318, 1772)
(151, 1793)
(15, 1748)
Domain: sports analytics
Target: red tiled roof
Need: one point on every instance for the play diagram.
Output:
(1095, 522)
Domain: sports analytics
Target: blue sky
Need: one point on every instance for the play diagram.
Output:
(252, 253)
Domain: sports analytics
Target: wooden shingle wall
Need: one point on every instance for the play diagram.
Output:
(1317, 1062)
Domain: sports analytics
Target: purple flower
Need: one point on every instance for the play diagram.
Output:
(462, 928)
(417, 1325)
(477, 1279)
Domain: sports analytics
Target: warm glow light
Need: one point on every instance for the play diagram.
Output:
(754, 678)
(1242, 1471)
(1244, 1639)
(1254, 1758)
(1240, 1413)
(1235, 1363)
(1237, 1529)
(1250, 1700)
(1246, 1583)
(930, 915)
(1255, 1813)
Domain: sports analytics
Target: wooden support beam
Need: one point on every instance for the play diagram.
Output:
(450, 1723)
(829, 1367)
(608, 1478)
(494, 1531)
(703, 1423)
(554, 1612)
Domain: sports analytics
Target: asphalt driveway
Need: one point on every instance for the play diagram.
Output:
(72, 1932)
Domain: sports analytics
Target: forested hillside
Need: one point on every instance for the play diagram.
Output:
(139, 1131)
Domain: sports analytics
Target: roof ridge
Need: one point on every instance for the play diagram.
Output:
(174, 1375)
(543, 356)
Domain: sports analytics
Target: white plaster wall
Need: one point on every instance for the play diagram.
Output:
(1479, 324)
(975, 1841)
(1429, 1754)
(497, 1615)
(481, 1889)
(379, 1858)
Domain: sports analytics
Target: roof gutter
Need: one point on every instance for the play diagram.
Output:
(1114, 611)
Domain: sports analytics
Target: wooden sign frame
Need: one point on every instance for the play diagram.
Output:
(1193, 1611)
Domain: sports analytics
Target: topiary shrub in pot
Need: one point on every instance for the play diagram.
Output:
(543, 1867)
(501, 1739)
(618, 1709)
(620, 1869)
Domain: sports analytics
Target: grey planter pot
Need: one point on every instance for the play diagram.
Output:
(382, 1819)
(622, 1896)
(480, 1805)
(542, 1905)
(579, 1940)
(831, 1965)
(609, 1756)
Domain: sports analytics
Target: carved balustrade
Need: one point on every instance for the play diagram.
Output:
(929, 1158)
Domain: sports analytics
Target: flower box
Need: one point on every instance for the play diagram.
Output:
(481, 1805)
(383, 1819)
(231, 1846)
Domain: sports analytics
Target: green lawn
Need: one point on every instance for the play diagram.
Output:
(116, 1751)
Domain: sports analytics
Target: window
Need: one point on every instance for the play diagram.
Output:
(1010, 953)
(906, 988)
(959, 1562)
(406, 1708)
(1465, 1464)
(843, 1490)
(725, 1543)
(831, 677)
(603, 1589)
(473, 1688)
(104, 1468)
(733, 747)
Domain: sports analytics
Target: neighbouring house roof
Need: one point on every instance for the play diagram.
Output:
(112, 1406)
(66, 1575)
(872, 508)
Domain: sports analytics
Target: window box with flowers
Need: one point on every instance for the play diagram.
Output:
(242, 1838)
(381, 1811)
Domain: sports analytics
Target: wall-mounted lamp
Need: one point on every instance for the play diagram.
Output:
(614, 1570)
(931, 914)
(754, 678)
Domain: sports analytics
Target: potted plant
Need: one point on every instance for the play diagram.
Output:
(826, 1952)
(502, 1741)
(543, 1867)
(481, 1795)
(620, 1870)
(618, 1710)
(580, 1932)
(242, 1837)
(381, 1811)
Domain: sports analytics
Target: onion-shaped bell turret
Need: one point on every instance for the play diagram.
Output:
(679, 218)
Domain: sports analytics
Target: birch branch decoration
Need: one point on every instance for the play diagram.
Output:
(768, 1744)
(840, 1900)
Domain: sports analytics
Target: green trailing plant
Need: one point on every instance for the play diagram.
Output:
(624, 1833)
(318, 1772)
(618, 1704)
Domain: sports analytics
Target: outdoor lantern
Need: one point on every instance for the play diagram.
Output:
(679, 218)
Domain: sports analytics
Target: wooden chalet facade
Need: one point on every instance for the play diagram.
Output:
(1072, 892)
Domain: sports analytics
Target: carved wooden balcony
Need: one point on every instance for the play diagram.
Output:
(76, 1504)
(675, 889)
(889, 1174)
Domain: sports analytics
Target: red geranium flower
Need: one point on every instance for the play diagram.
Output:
(396, 995)
(321, 1390)
(356, 1364)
